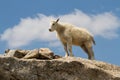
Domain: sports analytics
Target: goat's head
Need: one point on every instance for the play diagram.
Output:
(53, 25)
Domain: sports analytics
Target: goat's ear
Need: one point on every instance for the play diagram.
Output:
(57, 20)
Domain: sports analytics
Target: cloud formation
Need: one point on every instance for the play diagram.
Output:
(30, 29)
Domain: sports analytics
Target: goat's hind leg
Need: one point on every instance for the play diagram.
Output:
(84, 49)
(89, 51)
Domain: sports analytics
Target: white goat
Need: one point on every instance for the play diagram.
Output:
(70, 35)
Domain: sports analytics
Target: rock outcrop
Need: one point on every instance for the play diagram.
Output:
(69, 68)
(42, 53)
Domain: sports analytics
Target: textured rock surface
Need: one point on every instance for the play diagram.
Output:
(42, 53)
(16, 53)
(56, 69)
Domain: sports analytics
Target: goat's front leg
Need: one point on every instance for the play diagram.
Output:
(69, 44)
(65, 48)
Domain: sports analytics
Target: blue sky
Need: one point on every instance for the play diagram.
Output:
(24, 25)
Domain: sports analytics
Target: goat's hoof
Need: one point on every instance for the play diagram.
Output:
(91, 58)
(66, 55)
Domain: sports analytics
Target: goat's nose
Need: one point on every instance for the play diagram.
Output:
(50, 30)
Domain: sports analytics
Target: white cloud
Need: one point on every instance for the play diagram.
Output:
(30, 29)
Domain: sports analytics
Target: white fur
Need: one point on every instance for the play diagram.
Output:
(70, 35)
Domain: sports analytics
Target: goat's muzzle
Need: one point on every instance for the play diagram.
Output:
(50, 30)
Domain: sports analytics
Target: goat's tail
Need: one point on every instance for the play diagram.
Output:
(93, 40)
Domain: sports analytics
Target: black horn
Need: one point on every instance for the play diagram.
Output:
(57, 20)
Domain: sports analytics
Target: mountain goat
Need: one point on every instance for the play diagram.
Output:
(70, 35)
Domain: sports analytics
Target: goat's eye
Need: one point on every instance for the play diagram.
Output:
(53, 24)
